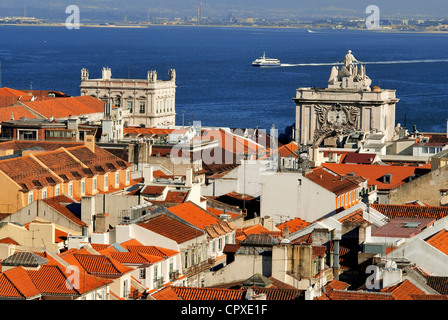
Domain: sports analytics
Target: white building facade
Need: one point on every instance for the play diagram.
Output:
(150, 102)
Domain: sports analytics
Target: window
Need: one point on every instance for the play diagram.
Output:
(142, 107)
(129, 106)
(30, 197)
(44, 194)
(128, 176)
(94, 184)
(117, 178)
(186, 259)
(70, 190)
(125, 288)
(220, 244)
(57, 191)
(83, 187)
(106, 181)
(143, 273)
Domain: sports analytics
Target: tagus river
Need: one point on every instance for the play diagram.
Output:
(216, 83)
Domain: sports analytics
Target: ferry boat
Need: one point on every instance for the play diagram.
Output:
(264, 61)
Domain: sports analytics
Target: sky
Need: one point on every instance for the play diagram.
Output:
(256, 8)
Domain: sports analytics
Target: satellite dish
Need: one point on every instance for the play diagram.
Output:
(391, 264)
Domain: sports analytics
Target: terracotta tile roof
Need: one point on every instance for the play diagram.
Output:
(440, 284)
(99, 247)
(411, 211)
(357, 295)
(197, 216)
(293, 225)
(131, 242)
(354, 217)
(16, 283)
(375, 173)
(52, 279)
(152, 250)
(65, 107)
(18, 145)
(439, 241)
(8, 240)
(139, 131)
(403, 290)
(152, 190)
(218, 212)
(428, 297)
(135, 258)
(332, 182)
(10, 96)
(15, 113)
(192, 293)
(359, 158)
(166, 293)
(275, 294)
(336, 285)
(287, 150)
(171, 228)
(231, 248)
(176, 196)
(98, 265)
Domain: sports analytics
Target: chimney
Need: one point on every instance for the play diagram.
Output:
(148, 174)
(189, 178)
(88, 211)
(336, 259)
(285, 233)
(102, 222)
(89, 141)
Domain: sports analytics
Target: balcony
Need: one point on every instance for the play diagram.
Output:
(203, 266)
(158, 282)
(174, 275)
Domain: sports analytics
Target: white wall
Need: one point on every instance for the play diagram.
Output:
(293, 195)
(423, 255)
(245, 178)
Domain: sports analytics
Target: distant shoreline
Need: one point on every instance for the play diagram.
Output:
(82, 25)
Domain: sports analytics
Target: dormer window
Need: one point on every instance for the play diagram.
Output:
(387, 178)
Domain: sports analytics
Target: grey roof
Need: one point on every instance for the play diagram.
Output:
(257, 280)
(24, 259)
(259, 240)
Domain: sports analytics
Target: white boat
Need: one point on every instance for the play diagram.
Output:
(310, 31)
(264, 61)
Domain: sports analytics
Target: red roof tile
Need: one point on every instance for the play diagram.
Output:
(439, 241)
(171, 228)
(17, 283)
(65, 107)
(15, 113)
(411, 211)
(375, 173)
(293, 225)
(332, 182)
(191, 293)
(403, 290)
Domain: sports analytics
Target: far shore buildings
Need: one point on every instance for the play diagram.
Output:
(150, 102)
